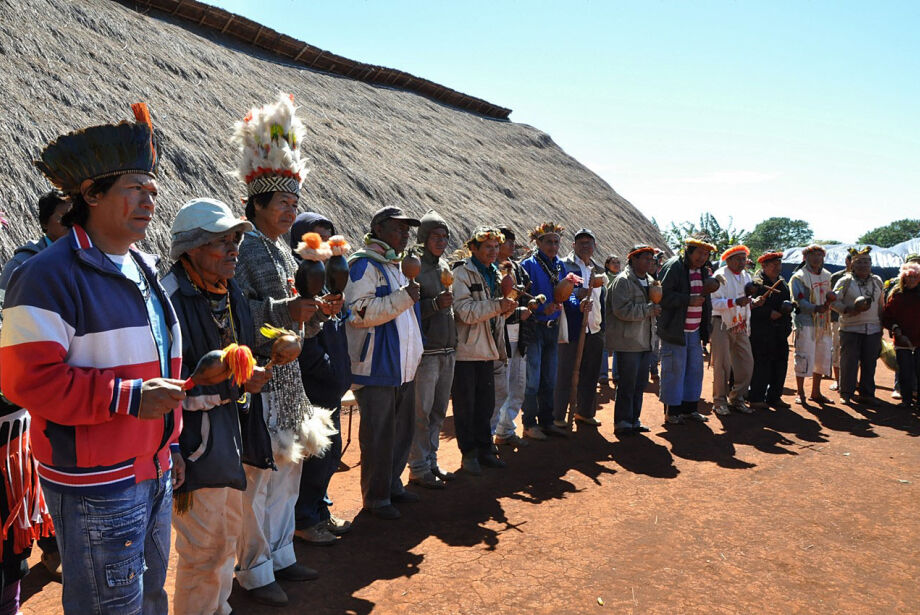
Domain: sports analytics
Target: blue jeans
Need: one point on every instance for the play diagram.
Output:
(908, 368)
(541, 377)
(114, 548)
(681, 371)
(607, 367)
(634, 370)
(313, 503)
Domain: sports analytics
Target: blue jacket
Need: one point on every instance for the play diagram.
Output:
(542, 285)
(373, 338)
(325, 366)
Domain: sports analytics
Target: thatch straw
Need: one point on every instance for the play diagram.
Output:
(71, 64)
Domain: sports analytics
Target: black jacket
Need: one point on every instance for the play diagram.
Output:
(769, 335)
(675, 284)
(227, 446)
(325, 366)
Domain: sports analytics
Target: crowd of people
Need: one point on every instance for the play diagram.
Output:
(206, 399)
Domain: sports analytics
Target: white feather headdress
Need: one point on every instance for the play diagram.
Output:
(269, 140)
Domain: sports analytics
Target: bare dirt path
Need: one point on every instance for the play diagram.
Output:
(812, 510)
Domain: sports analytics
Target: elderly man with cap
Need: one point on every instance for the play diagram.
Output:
(587, 312)
(435, 373)
(811, 291)
(683, 327)
(325, 370)
(771, 324)
(385, 344)
(545, 270)
(92, 348)
(731, 333)
(213, 314)
(860, 302)
(631, 318)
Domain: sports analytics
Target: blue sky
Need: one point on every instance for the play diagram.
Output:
(809, 110)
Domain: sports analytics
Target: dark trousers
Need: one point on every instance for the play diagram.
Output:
(587, 375)
(541, 377)
(908, 368)
(385, 435)
(634, 371)
(473, 394)
(858, 353)
(313, 503)
(771, 361)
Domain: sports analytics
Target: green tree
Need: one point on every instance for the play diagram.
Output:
(778, 234)
(827, 242)
(709, 228)
(894, 233)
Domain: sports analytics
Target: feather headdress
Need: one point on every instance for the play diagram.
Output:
(101, 151)
(269, 140)
(545, 229)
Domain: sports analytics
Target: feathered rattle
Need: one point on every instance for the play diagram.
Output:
(286, 347)
(235, 361)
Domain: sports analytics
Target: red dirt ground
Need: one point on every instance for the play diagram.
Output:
(812, 510)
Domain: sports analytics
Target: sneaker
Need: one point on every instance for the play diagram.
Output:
(674, 419)
(833, 386)
(640, 428)
(562, 424)
(318, 535)
(534, 433)
(387, 513)
(470, 464)
(271, 595)
(557, 430)
(896, 395)
(722, 409)
(588, 420)
(296, 572)
(622, 427)
(512, 440)
(338, 526)
(442, 474)
(738, 405)
(696, 416)
(427, 480)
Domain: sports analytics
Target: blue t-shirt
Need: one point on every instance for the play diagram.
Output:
(155, 312)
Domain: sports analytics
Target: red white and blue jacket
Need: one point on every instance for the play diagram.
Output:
(75, 347)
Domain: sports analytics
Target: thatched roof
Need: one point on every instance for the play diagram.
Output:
(72, 64)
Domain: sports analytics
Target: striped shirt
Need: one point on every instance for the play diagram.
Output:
(694, 313)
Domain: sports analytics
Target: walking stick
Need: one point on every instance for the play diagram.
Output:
(595, 282)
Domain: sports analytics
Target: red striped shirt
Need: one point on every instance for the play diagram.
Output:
(694, 314)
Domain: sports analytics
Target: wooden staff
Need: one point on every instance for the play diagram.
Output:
(579, 350)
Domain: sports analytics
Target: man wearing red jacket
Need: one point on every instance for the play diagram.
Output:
(91, 347)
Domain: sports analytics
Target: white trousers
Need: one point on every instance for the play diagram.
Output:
(267, 539)
(813, 350)
(206, 537)
(509, 392)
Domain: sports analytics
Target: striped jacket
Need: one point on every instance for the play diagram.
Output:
(75, 347)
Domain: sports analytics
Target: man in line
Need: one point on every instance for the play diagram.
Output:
(608, 359)
(510, 375)
(770, 328)
(587, 313)
(325, 370)
(731, 330)
(810, 287)
(545, 271)
(51, 208)
(860, 303)
(385, 344)
(631, 316)
(683, 327)
(835, 324)
(212, 314)
(435, 373)
(91, 347)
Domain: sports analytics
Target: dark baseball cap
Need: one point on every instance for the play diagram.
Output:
(393, 213)
(586, 233)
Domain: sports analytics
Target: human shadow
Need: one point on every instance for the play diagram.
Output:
(697, 442)
(893, 416)
(786, 420)
(34, 582)
(641, 455)
(834, 417)
(751, 429)
(468, 513)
